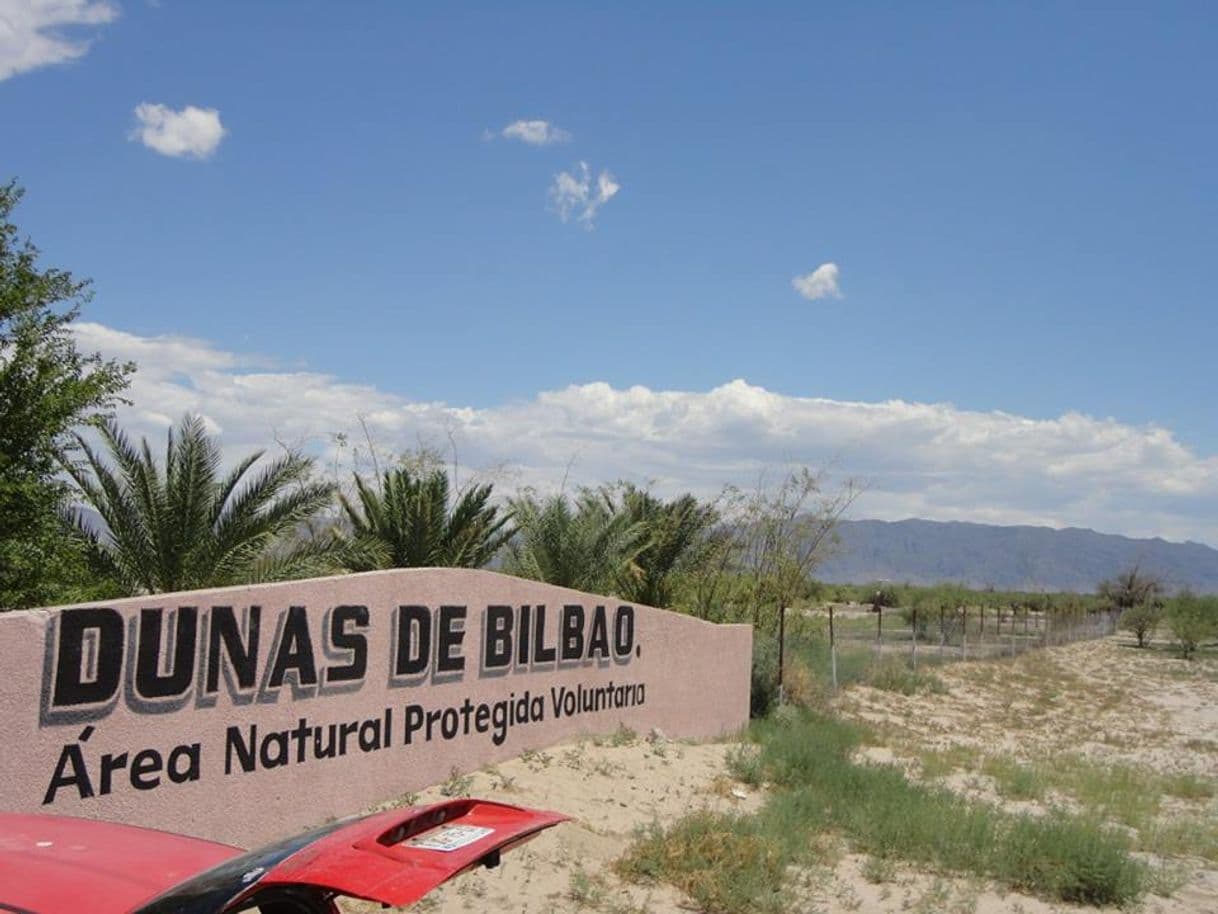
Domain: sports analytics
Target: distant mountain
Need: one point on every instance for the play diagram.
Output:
(1008, 558)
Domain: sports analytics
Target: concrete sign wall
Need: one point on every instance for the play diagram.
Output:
(241, 714)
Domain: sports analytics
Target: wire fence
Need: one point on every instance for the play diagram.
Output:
(942, 636)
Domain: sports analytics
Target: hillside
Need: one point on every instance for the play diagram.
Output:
(1008, 558)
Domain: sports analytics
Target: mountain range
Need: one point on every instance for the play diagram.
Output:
(1008, 558)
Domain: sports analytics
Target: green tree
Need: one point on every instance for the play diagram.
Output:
(675, 534)
(1142, 620)
(582, 543)
(783, 532)
(47, 388)
(410, 521)
(1193, 620)
(180, 525)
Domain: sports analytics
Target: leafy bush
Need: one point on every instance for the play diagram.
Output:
(1073, 860)
(883, 595)
(802, 687)
(1142, 620)
(1192, 620)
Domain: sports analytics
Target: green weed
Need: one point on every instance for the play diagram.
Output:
(895, 675)
(1013, 779)
(744, 764)
(457, 785)
(735, 863)
(725, 863)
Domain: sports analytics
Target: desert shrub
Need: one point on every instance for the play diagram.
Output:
(883, 595)
(725, 863)
(763, 689)
(736, 863)
(802, 687)
(1183, 836)
(1193, 620)
(894, 674)
(1188, 786)
(744, 764)
(1142, 620)
(1076, 861)
(1013, 779)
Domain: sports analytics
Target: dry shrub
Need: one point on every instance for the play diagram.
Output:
(802, 687)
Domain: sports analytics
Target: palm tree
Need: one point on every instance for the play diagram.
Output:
(675, 533)
(180, 525)
(585, 545)
(408, 522)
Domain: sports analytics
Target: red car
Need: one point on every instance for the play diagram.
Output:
(61, 865)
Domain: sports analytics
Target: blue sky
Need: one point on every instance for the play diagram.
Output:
(1021, 204)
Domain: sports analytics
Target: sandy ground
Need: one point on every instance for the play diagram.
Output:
(1101, 699)
(610, 788)
(1104, 699)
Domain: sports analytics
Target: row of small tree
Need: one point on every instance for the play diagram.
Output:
(1140, 601)
(1145, 608)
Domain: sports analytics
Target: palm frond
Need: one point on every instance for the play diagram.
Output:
(178, 524)
(408, 521)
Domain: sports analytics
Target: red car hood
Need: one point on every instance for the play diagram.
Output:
(58, 865)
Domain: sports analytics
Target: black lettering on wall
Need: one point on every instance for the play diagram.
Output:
(497, 637)
(74, 684)
(541, 653)
(598, 637)
(224, 640)
(150, 682)
(295, 651)
(623, 631)
(413, 648)
(355, 642)
(572, 641)
(522, 635)
(450, 635)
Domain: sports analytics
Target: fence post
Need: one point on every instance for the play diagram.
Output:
(782, 644)
(914, 640)
(832, 650)
(963, 632)
(879, 630)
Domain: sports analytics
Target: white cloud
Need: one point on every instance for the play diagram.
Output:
(32, 32)
(577, 195)
(927, 460)
(535, 133)
(820, 283)
(192, 132)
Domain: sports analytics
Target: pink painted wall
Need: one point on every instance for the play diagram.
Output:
(76, 686)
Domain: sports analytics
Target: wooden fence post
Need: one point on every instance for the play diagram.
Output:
(832, 650)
